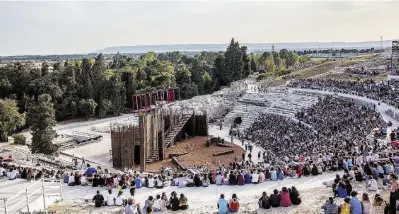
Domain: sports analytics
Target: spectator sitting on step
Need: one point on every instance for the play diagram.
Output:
(159, 183)
(98, 199)
(150, 182)
(110, 198)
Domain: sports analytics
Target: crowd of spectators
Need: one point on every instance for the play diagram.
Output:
(385, 91)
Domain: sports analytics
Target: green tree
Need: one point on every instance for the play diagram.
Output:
(42, 131)
(148, 57)
(284, 54)
(253, 64)
(10, 118)
(117, 94)
(104, 108)
(87, 108)
(198, 70)
(188, 90)
(44, 69)
(233, 64)
(47, 84)
(182, 74)
(217, 72)
(292, 59)
(303, 59)
(129, 81)
(57, 66)
(246, 60)
(270, 64)
(208, 83)
(263, 58)
(84, 80)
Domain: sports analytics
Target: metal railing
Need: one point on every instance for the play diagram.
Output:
(29, 193)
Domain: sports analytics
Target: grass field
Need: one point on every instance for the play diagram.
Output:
(324, 70)
(317, 58)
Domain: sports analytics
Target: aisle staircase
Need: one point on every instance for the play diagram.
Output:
(171, 134)
(153, 157)
(169, 137)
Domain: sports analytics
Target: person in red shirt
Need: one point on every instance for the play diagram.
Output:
(234, 205)
(299, 171)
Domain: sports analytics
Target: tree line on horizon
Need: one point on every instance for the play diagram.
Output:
(95, 87)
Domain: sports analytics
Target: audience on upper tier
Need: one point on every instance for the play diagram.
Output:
(386, 91)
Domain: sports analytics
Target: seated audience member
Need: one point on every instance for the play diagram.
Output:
(197, 181)
(330, 207)
(248, 178)
(372, 184)
(149, 210)
(346, 207)
(130, 207)
(205, 182)
(240, 179)
(110, 198)
(294, 196)
(157, 203)
(342, 193)
(275, 199)
(183, 202)
(255, 178)
(98, 199)
(120, 199)
(151, 182)
(356, 205)
(234, 204)
(71, 180)
(264, 201)
(223, 205)
(174, 202)
(285, 197)
(149, 202)
(159, 184)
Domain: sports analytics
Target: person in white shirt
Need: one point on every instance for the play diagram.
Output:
(110, 198)
(129, 208)
(116, 181)
(1, 171)
(120, 199)
(151, 182)
(376, 157)
(13, 174)
(219, 179)
(83, 180)
(359, 160)
(157, 204)
(71, 179)
(372, 184)
(262, 177)
(255, 178)
(159, 183)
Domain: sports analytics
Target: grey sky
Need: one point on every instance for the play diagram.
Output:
(81, 27)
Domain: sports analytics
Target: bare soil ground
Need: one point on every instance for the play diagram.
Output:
(198, 154)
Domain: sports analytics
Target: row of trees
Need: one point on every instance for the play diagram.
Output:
(278, 63)
(97, 87)
(338, 51)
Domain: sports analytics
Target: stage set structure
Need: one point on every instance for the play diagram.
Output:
(159, 127)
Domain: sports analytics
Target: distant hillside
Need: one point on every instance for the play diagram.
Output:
(251, 47)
